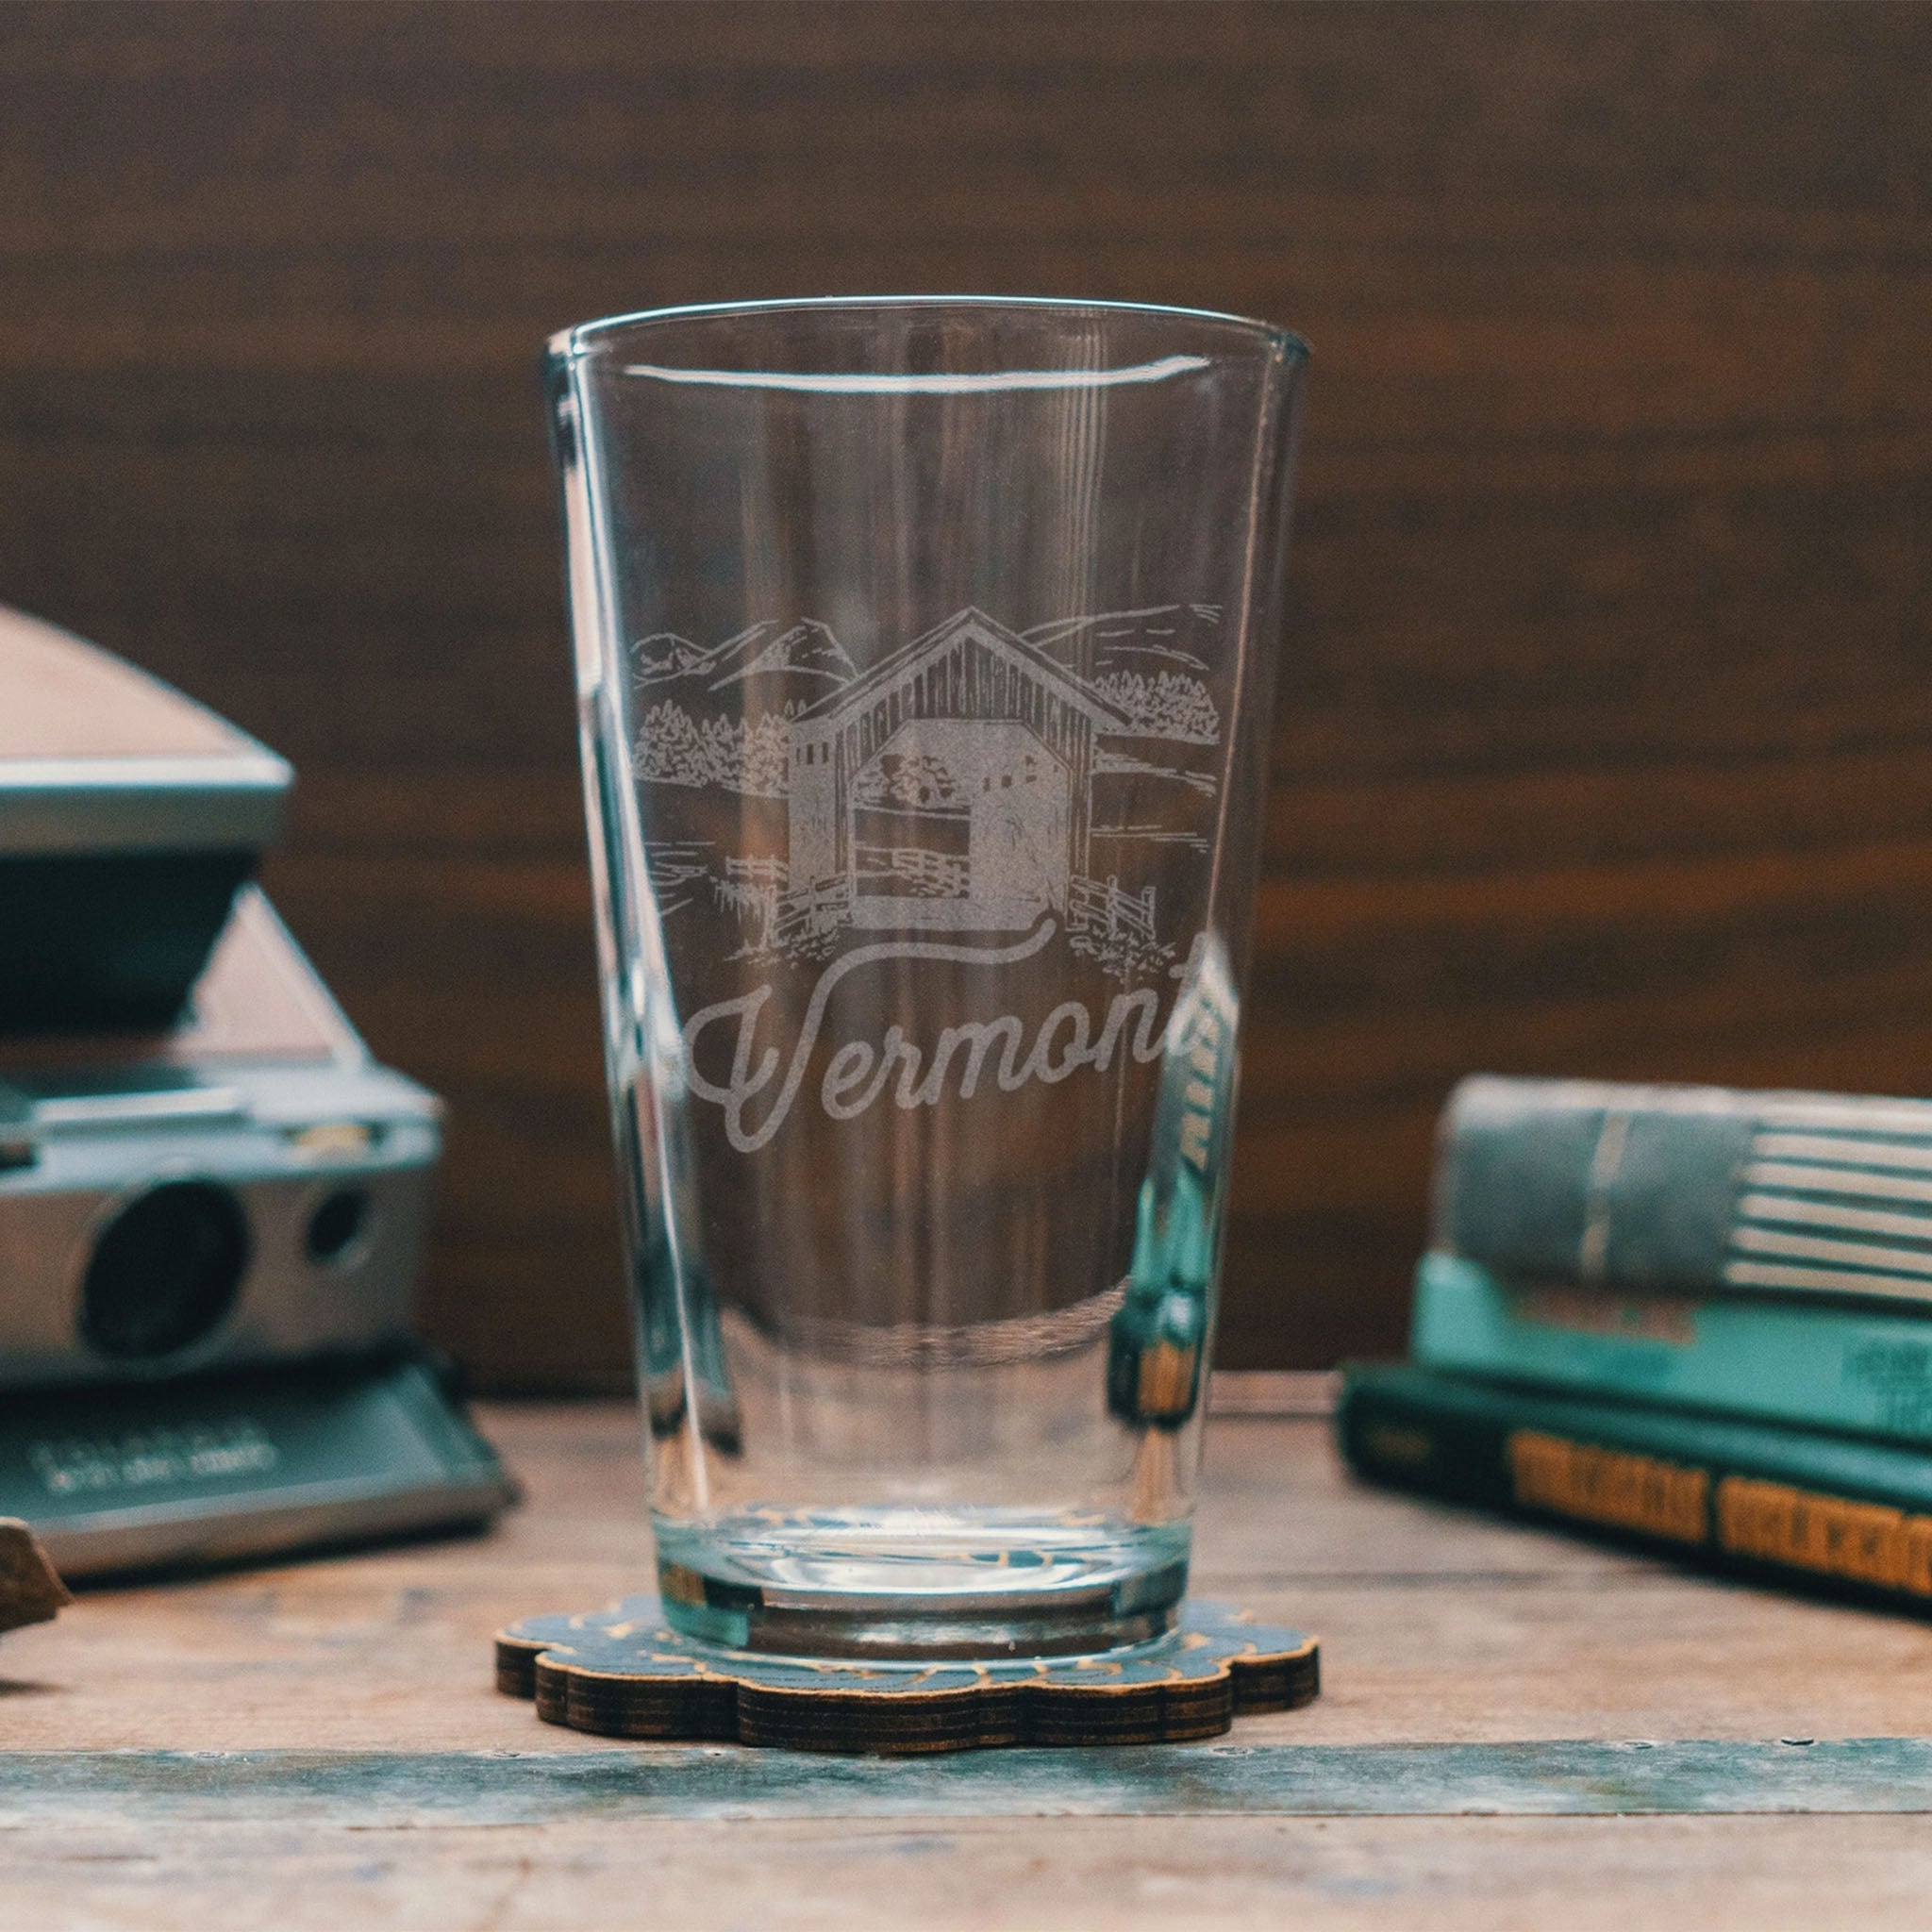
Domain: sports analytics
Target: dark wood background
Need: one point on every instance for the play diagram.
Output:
(1606, 734)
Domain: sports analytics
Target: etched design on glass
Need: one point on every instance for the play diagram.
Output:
(955, 785)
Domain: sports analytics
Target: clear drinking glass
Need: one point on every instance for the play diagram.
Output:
(925, 653)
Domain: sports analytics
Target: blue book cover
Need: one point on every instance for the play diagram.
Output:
(1862, 1370)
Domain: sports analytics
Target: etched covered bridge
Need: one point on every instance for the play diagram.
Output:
(949, 787)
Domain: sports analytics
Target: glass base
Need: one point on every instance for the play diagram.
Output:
(916, 1585)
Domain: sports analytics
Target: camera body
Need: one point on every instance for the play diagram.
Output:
(212, 1199)
(249, 1188)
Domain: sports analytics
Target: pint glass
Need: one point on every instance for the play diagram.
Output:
(924, 654)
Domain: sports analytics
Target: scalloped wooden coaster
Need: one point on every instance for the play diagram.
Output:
(624, 1672)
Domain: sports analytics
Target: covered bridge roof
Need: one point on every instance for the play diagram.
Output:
(910, 659)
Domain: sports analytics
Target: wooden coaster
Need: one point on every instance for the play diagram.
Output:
(624, 1672)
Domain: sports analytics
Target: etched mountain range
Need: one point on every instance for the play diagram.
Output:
(724, 715)
(782, 667)
(664, 655)
(1149, 664)
(1171, 637)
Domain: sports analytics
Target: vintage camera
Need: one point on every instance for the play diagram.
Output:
(130, 818)
(213, 1200)
(250, 1188)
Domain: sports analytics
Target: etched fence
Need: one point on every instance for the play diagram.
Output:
(932, 874)
(752, 888)
(1099, 908)
(813, 910)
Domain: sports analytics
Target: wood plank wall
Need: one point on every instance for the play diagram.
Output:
(1606, 742)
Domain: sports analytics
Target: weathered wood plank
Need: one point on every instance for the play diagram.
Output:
(1405, 1874)
(1545, 1778)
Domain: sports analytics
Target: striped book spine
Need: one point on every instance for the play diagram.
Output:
(1835, 1197)
(1689, 1189)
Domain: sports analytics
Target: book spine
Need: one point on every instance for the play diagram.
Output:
(1864, 1370)
(1774, 1502)
(1689, 1189)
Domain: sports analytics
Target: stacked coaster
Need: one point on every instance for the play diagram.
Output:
(625, 1673)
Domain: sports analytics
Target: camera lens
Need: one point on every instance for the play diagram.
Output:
(165, 1270)
(334, 1227)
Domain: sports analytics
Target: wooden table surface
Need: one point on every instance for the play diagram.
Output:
(319, 1745)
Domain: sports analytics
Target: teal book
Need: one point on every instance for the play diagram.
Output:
(1776, 1503)
(1865, 1370)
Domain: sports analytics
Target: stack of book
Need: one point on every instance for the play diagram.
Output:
(1698, 1317)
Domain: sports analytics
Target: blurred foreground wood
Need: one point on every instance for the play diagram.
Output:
(30, 1591)
(1451, 1645)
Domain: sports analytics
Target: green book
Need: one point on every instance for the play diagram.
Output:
(1860, 1368)
(1777, 1502)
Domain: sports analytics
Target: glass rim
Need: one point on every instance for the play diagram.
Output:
(567, 344)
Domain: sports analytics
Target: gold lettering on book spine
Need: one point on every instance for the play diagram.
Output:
(1609, 1486)
(1863, 1543)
